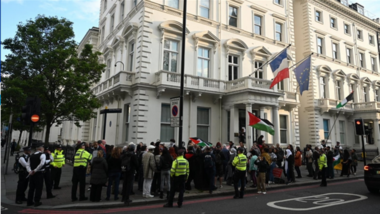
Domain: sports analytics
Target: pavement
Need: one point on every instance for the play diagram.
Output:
(63, 196)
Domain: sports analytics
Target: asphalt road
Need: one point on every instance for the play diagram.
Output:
(339, 197)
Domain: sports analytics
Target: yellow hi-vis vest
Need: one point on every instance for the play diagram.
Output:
(240, 162)
(81, 158)
(180, 167)
(59, 159)
(322, 161)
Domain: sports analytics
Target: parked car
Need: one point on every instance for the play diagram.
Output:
(372, 175)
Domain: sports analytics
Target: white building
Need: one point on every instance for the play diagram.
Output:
(346, 59)
(226, 41)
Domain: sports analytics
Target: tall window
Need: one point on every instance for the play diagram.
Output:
(166, 132)
(283, 128)
(333, 22)
(278, 32)
(172, 3)
(203, 123)
(103, 32)
(359, 34)
(127, 110)
(335, 51)
(205, 8)
(346, 29)
(341, 132)
(203, 69)
(258, 24)
(105, 6)
(323, 87)
(134, 3)
(233, 16)
(233, 67)
(170, 55)
(259, 73)
(280, 85)
(373, 64)
(112, 24)
(108, 69)
(318, 15)
(348, 52)
(338, 90)
(277, 1)
(365, 94)
(352, 87)
(361, 59)
(377, 98)
(370, 39)
(326, 128)
(319, 45)
(122, 7)
(130, 55)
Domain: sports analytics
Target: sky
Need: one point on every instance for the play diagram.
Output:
(83, 13)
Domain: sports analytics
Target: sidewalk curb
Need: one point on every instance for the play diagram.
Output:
(107, 205)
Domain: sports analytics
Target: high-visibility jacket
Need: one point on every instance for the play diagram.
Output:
(322, 161)
(180, 167)
(58, 159)
(81, 158)
(240, 162)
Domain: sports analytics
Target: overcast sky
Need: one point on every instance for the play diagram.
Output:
(84, 14)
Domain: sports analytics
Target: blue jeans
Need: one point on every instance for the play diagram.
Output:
(272, 166)
(113, 176)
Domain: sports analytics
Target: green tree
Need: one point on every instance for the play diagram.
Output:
(44, 62)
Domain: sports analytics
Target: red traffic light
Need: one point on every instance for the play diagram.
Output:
(358, 122)
(35, 118)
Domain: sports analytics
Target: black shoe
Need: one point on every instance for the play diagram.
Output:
(37, 204)
(25, 199)
(83, 199)
(116, 198)
(168, 205)
(18, 202)
(107, 199)
(74, 199)
(57, 188)
(50, 196)
(30, 204)
(235, 197)
(161, 195)
(241, 197)
(179, 205)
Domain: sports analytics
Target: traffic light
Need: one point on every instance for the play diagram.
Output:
(359, 126)
(27, 110)
(36, 110)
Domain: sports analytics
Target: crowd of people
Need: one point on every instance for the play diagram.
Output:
(160, 169)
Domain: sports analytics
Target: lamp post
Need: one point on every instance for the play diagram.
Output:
(121, 63)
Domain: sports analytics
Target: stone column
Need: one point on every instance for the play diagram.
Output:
(248, 129)
(276, 123)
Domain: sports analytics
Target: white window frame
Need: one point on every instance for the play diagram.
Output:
(108, 68)
(260, 25)
(282, 129)
(103, 32)
(371, 38)
(171, 51)
(362, 63)
(335, 23)
(349, 59)
(237, 17)
(377, 94)
(168, 1)
(320, 16)
(336, 51)
(259, 72)
(127, 110)
(348, 28)
(339, 94)
(373, 64)
(279, 3)
(342, 130)
(323, 87)
(202, 59)
(328, 127)
(232, 64)
(365, 94)
(131, 54)
(112, 22)
(282, 37)
(322, 46)
(205, 7)
(205, 125)
(165, 123)
(104, 5)
(122, 10)
(359, 34)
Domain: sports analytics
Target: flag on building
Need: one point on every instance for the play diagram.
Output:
(198, 141)
(336, 162)
(259, 124)
(280, 68)
(302, 73)
(346, 100)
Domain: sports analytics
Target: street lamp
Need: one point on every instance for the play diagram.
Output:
(121, 63)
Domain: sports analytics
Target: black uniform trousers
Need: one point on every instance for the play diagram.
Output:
(323, 172)
(239, 176)
(316, 171)
(96, 192)
(47, 179)
(127, 185)
(22, 185)
(178, 182)
(79, 176)
(35, 187)
(56, 176)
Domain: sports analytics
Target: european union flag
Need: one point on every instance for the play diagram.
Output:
(302, 72)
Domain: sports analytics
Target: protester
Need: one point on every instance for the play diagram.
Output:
(219, 166)
(156, 183)
(260, 141)
(315, 160)
(298, 161)
(140, 171)
(273, 159)
(280, 155)
(130, 164)
(346, 163)
(149, 168)
(173, 152)
(309, 161)
(166, 161)
(99, 176)
(230, 167)
(354, 162)
(289, 163)
(209, 167)
(263, 166)
(330, 162)
(114, 172)
(190, 157)
(253, 168)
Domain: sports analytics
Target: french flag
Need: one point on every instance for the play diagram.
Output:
(280, 68)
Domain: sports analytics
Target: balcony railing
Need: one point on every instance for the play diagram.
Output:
(367, 106)
(121, 78)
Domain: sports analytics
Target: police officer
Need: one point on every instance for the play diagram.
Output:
(179, 174)
(35, 170)
(47, 172)
(57, 164)
(240, 164)
(82, 157)
(22, 176)
(322, 164)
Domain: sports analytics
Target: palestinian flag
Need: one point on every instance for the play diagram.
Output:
(198, 141)
(260, 124)
(346, 100)
(337, 162)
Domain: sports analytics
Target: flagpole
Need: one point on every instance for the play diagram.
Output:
(269, 60)
(333, 126)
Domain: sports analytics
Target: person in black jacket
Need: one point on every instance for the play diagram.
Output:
(99, 176)
(190, 157)
(330, 161)
(129, 172)
(263, 166)
(140, 171)
(315, 161)
(166, 161)
(114, 172)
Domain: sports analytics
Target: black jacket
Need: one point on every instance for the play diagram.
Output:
(262, 165)
(330, 157)
(114, 165)
(99, 171)
(166, 162)
(134, 161)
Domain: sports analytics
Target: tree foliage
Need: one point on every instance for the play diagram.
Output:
(44, 62)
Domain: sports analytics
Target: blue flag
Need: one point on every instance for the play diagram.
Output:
(302, 72)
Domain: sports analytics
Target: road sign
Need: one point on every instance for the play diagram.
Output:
(174, 110)
(35, 118)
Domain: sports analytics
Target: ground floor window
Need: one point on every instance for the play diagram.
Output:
(203, 123)
(167, 132)
(326, 128)
(127, 110)
(342, 132)
(283, 129)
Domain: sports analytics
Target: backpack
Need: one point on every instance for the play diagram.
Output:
(126, 162)
(208, 161)
(218, 159)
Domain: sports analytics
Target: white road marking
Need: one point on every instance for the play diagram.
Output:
(322, 201)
